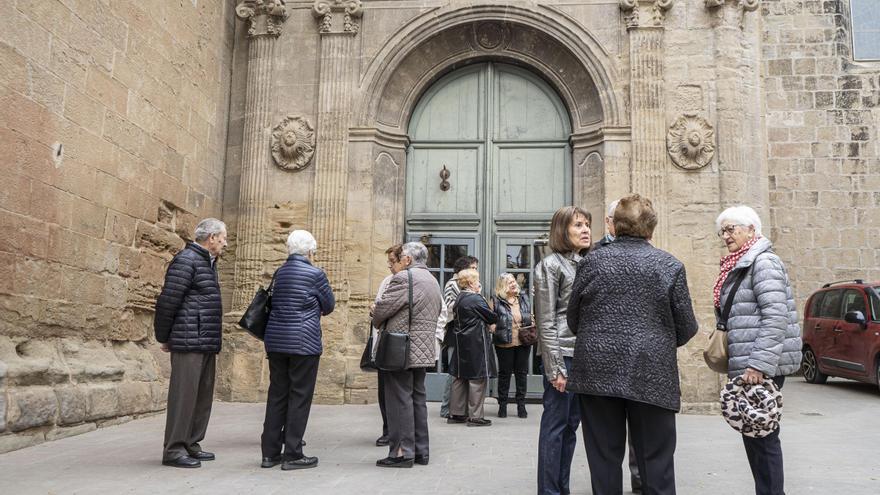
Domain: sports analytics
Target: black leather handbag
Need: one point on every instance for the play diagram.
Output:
(367, 361)
(256, 316)
(392, 353)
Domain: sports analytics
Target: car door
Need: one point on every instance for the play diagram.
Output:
(825, 343)
(851, 337)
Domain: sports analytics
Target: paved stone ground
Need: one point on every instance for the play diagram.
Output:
(830, 438)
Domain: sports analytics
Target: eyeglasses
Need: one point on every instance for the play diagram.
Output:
(729, 230)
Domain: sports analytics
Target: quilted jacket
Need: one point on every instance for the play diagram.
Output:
(300, 297)
(763, 331)
(631, 309)
(554, 276)
(472, 355)
(392, 313)
(189, 313)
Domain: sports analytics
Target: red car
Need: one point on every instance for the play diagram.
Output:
(842, 332)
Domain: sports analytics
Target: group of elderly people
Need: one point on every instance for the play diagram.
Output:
(609, 318)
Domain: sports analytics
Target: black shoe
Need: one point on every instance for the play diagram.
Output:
(302, 443)
(521, 411)
(636, 484)
(456, 419)
(303, 462)
(479, 422)
(502, 410)
(395, 462)
(269, 462)
(202, 455)
(421, 460)
(183, 461)
(382, 441)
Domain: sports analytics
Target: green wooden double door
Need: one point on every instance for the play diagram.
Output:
(489, 163)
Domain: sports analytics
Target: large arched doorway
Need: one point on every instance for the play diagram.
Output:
(488, 163)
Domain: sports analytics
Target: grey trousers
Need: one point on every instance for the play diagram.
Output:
(407, 411)
(190, 396)
(467, 397)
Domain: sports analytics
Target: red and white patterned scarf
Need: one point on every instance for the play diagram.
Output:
(727, 263)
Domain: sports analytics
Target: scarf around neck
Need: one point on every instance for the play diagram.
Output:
(727, 263)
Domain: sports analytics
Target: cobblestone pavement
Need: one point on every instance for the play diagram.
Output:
(830, 438)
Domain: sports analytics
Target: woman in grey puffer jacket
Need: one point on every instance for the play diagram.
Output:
(762, 328)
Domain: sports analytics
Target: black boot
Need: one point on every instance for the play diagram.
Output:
(502, 410)
(521, 410)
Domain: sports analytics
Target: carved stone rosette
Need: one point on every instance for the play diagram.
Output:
(653, 12)
(691, 142)
(351, 9)
(265, 16)
(293, 143)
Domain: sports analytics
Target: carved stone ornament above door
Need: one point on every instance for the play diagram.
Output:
(691, 142)
(293, 143)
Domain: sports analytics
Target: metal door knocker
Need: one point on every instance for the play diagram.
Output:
(444, 174)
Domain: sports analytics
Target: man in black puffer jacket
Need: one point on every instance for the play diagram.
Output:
(188, 323)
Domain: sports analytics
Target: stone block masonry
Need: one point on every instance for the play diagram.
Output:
(110, 117)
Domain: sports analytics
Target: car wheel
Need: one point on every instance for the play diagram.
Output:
(810, 368)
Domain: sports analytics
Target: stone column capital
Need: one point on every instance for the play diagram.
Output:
(746, 5)
(645, 13)
(265, 16)
(351, 10)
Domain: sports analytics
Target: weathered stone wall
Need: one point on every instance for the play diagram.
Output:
(823, 120)
(112, 134)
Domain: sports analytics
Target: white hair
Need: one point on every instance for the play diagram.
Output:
(740, 215)
(208, 227)
(611, 208)
(301, 242)
(417, 251)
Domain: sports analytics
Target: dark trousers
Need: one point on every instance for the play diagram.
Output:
(291, 387)
(557, 439)
(653, 437)
(381, 393)
(407, 413)
(190, 396)
(512, 360)
(765, 459)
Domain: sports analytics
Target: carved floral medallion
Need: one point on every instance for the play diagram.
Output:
(691, 142)
(293, 143)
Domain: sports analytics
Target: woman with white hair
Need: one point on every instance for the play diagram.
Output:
(762, 329)
(300, 296)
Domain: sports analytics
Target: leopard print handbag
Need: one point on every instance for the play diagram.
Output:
(753, 410)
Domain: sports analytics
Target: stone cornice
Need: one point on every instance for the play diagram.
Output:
(265, 16)
(351, 10)
(747, 5)
(645, 13)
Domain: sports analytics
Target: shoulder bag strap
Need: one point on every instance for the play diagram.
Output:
(728, 304)
(410, 290)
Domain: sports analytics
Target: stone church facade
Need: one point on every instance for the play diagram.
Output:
(463, 124)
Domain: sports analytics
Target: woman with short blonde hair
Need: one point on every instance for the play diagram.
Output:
(514, 310)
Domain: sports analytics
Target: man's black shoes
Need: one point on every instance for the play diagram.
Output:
(456, 419)
(269, 462)
(304, 462)
(382, 441)
(395, 462)
(202, 455)
(421, 460)
(183, 461)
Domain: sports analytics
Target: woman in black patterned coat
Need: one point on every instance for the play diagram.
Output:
(630, 308)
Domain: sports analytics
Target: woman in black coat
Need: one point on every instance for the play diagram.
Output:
(630, 309)
(473, 361)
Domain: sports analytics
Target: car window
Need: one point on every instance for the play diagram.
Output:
(813, 311)
(830, 307)
(853, 300)
(875, 303)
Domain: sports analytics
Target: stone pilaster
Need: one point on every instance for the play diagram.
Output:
(265, 18)
(337, 23)
(644, 22)
(741, 164)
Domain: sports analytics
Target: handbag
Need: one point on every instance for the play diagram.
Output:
(528, 335)
(368, 360)
(716, 355)
(392, 353)
(256, 316)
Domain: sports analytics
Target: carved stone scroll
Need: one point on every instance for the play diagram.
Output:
(351, 10)
(691, 142)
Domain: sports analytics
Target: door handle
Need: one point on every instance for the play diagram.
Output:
(838, 329)
(818, 326)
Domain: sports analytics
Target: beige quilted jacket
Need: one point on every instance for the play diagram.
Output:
(392, 313)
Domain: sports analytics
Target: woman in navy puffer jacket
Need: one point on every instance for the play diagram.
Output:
(300, 297)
